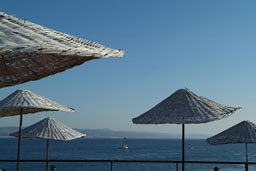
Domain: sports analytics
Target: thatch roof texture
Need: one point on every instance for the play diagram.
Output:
(49, 129)
(29, 103)
(243, 132)
(29, 51)
(185, 107)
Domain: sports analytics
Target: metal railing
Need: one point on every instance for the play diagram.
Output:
(111, 162)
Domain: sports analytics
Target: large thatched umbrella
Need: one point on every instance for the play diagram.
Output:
(243, 132)
(184, 107)
(49, 129)
(25, 102)
(29, 51)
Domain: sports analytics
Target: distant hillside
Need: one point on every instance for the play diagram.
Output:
(108, 133)
(4, 131)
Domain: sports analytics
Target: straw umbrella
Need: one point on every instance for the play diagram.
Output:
(25, 102)
(184, 107)
(29, 51)
(49, 129)
(243, 132)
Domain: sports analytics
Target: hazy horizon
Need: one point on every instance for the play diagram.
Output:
(110, 133)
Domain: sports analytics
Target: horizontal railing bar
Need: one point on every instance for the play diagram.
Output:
(134, 161)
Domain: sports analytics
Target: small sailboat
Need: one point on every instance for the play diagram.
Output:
(122, 145)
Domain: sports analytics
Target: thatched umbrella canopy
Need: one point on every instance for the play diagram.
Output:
(243, 132)
(185, 107)
(25, 102)
(29, 51)
(49, 129)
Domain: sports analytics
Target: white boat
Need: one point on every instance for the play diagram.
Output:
(122, 145)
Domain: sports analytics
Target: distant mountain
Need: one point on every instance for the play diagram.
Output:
(108, 133)
(5, 131)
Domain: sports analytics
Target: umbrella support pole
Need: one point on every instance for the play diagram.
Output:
(246, 157)
(183, 147)
(19, 141)
(47, 151)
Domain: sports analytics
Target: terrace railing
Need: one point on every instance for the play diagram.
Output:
(111, 163)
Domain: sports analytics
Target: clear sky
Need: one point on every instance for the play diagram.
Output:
(207, 46)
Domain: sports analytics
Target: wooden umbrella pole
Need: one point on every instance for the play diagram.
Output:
(183, 147)
(47, 152)
(19, 141)
(246, 157)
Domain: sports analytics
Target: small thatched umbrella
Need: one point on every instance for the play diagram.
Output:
(243, 132)
(184, 107)
(49, 129)
(25, 102)
(29, 51)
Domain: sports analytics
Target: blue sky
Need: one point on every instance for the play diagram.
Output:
(207, 46)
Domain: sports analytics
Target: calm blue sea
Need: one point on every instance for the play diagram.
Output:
(139, 149)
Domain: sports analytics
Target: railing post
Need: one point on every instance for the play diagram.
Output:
(246, 164)
(246, 167)
(111, 165)
(177, 166)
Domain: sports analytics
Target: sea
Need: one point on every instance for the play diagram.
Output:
(138, 149)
